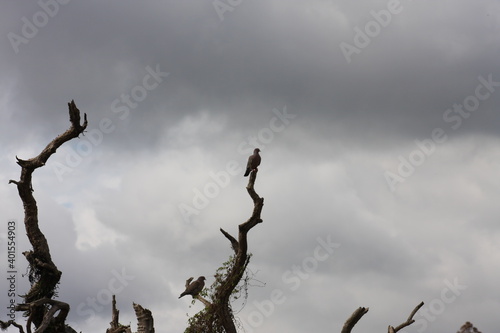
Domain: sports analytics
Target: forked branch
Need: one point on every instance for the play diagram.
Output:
(360, 312)
(44, 275)
(217, 315)
(50, 317)
(408, 321)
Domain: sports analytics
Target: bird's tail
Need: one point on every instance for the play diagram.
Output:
(247, 172)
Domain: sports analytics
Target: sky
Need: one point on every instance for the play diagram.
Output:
(378, 128)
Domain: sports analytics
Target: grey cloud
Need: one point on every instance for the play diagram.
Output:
(322, 173)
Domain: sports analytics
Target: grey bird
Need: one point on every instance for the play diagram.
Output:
(194, 287)
(253, 162)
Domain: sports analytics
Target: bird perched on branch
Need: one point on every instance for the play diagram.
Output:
(253, 161)
(194, 287)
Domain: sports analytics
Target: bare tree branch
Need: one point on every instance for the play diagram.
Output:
(408, 321)
(218, 315)
(203, 300)
(5, 325)
(234, 242)
(50, 317)
(44, 275)
(241, 260)
(360, 312)
(353, 319)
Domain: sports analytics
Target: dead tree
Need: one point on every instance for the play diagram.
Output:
(44, 276)
(45, 313)
(144, 320)
(48, 315)
(116, 327)
(218, 315)
(360, 312)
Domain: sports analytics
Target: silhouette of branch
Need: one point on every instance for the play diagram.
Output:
(5, 325)
(234, 242)
(353, 319)
(50, 317)
(408, 321)
(44, 275)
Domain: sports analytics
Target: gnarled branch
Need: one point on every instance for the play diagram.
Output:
(241, 260)
(218, 315)
(50, 317)
(5, 325)
(44, 275)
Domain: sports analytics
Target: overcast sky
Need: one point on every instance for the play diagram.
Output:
(379, 130)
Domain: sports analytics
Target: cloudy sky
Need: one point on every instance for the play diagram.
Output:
(378, 125)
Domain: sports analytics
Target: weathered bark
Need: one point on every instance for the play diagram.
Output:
(50, 319)
(116, 327)
(44, 275)
(145, 322)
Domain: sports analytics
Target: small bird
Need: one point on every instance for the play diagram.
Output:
(194, 287)
(253, 162)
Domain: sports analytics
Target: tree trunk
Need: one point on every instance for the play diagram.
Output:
(43, 273)
(218, 315)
